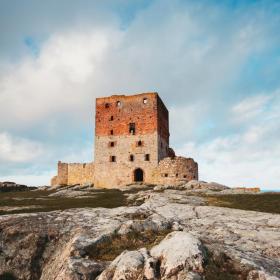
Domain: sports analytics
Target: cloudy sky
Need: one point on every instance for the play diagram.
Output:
(216, 65)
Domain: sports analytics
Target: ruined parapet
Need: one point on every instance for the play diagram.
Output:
(54, 181)
(175, 170)
(73, 173)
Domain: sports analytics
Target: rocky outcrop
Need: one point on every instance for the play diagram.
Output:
(210, 188)
(13, 187)
(201, 241)
(180, 254)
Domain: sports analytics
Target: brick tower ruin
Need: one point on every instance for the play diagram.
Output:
(131, 145)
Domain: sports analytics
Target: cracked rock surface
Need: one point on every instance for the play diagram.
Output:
(201, 241)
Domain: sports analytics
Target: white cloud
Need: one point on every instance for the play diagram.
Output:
(180, 55)
(57, 82)
(245, 158)
(18, 150)
(250, 107)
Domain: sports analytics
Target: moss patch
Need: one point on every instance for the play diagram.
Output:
(221, 267)
(266, 202)
(109, 249)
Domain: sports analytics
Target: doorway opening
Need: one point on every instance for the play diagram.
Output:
(138, 175)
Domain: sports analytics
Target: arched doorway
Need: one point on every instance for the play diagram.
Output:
(138, 175)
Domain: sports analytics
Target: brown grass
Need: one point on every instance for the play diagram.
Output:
(109, 249)
(265, 202)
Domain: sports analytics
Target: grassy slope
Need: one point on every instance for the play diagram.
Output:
(39, 201)
(265, 202)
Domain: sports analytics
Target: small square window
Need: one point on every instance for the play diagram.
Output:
(107, 105)
(131, 157)
(185, 176)
(147, 157)
(112, 132)
(139, 143)
(112, 118)
(132, 128)
(112, 158)
(112, 144)
(165, 175)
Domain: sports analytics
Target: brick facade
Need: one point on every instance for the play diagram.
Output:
(131, 144)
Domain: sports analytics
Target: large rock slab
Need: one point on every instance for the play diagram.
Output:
(59, 244)
(179, 253)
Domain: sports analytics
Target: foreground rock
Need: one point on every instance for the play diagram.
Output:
(179, 255)
(13, 187)
(89, 243)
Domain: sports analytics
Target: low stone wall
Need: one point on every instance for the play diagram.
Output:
(73, 173)
(175, 170)
(250, 190)
(80, 173)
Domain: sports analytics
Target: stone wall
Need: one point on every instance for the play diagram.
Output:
(62, 173)
(110, 174)
(73, 173)
(172, 171)
(80, 173)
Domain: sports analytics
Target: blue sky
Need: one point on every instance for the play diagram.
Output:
(216, 65)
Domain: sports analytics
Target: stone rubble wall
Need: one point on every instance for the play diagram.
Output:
(74, 173)
(175, 170)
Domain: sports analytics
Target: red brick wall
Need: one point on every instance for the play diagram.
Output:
(163, 121)
(131, 110)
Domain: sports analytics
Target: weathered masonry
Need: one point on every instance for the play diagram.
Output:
(131, 145)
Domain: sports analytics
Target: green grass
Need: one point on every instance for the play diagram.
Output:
(266, 202)
(40, 202)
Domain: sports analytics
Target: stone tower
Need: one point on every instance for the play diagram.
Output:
(131, 145)
(131, 137)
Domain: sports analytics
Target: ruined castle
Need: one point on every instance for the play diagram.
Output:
(131, 145)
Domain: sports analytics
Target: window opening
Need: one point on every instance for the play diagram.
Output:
(132, 128)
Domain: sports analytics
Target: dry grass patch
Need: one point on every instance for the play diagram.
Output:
(110, 248)
(265, 202)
